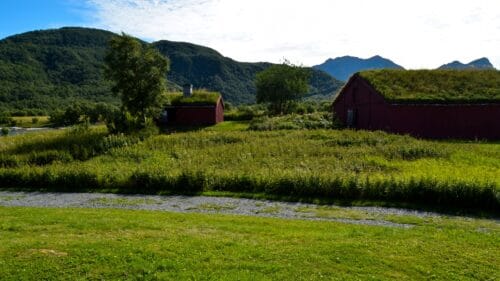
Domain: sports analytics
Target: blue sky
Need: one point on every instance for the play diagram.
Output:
(17, 16)
(413, 33)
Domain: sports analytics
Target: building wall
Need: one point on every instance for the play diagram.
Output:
(190, 115)
(446, 121)
(372, 112)
(196, 115)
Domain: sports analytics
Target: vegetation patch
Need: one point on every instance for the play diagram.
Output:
(337, 213)
(125, 201)
(436, 86)
(318, 120)
(214, 207)
(199, 97)
(296, 164)
(269, 210)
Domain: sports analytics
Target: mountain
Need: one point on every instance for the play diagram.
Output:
(49, 69)
(482, 63)
(343, 67)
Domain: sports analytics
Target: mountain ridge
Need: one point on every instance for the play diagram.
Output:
(343, 67)
(50, 69)
(481, 63)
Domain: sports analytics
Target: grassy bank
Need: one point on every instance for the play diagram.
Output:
(305, 163)
(72, 244)
(31, 121)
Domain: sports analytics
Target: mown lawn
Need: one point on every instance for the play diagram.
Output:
(77, 244)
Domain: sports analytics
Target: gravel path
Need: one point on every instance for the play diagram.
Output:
(202, 204)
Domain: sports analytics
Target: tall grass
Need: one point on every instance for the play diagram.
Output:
(331, 164)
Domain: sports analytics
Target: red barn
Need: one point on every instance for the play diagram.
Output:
(194, 109)
(423, 103)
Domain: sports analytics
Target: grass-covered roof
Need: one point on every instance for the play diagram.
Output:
(436, 86)
(199, 97)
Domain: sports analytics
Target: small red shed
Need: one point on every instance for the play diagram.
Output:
(423, 103)
(194, 109)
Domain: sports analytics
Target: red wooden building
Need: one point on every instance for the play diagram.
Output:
(194, 109)
(377, 101)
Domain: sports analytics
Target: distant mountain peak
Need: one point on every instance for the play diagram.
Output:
(481, 63)
(343, 67)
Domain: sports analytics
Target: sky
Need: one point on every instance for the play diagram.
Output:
(412, 33)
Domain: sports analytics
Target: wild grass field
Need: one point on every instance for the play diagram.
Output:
(31, 121)
(106, 244)
(328, 164)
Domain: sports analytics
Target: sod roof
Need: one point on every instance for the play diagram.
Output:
(199, 97)
(436, 86)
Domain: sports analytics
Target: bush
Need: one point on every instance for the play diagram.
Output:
(7, 120)
(9, 161)
(293, 122)
(244, 112)
(68, 117)
(48, 157)
(115, 141)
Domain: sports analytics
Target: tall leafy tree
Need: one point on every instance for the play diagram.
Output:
(138, 72)
(282, 84)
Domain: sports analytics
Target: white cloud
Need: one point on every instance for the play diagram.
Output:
(416, 34)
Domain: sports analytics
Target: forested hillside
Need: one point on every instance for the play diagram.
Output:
(50, 69)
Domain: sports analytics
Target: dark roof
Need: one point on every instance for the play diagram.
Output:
(435, 86)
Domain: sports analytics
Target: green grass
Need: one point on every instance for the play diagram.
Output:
(229, 126)
(28, 121)
(269, 210)
(214, 207)
(77, 244)
(430, 86)
(125, 201)
(198, 97)
(331, 164)
(317, 120)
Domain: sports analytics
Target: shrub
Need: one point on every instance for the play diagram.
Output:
(9, 161)
(244, 113)
(293, 122)
(115, 141)
(48, 157)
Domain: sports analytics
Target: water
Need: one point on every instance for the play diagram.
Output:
(13, 131)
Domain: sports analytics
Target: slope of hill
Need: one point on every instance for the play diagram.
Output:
(50, 69)
(205, 67)
(343, 67)
(482, 63)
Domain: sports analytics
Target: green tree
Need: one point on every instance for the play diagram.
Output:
(281, 85)
(138, 73)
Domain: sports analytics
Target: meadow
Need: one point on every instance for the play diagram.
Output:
(106, 244)
(288, 164)
(31, 121)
